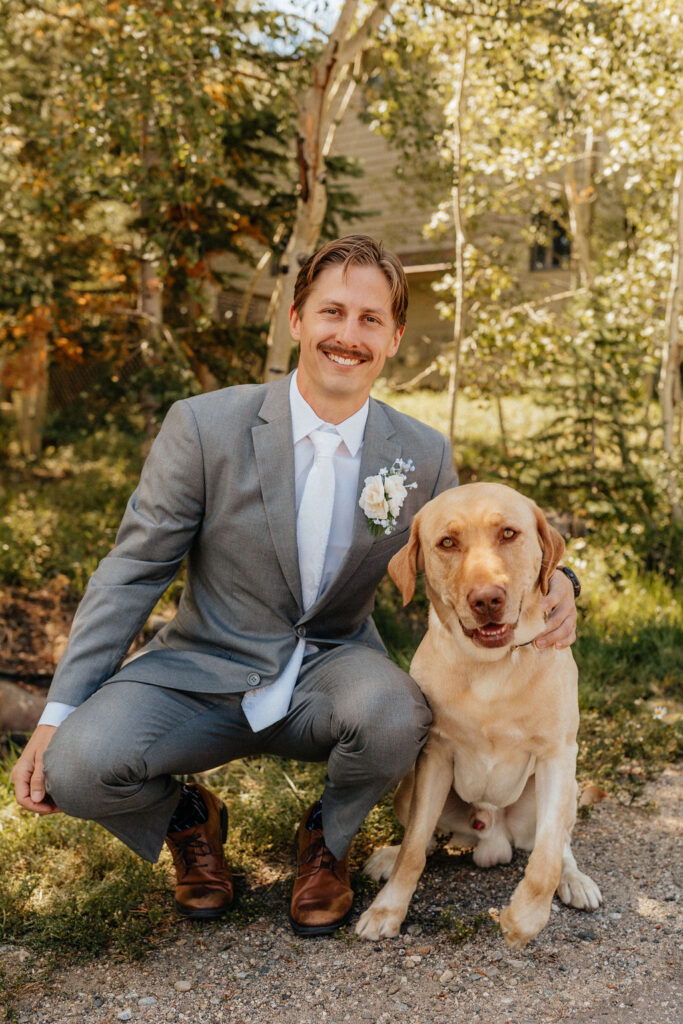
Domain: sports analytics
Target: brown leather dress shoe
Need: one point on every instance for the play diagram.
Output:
(322, 897)
(203, 880)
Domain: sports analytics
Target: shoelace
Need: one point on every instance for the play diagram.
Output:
(318, 850)
(192, 849)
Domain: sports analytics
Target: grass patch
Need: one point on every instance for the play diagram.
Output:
(70, 891)
(60, 516)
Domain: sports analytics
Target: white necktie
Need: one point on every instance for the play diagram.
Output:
(268, 705)
(315, 514)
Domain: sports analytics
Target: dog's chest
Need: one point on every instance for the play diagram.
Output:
(493, 755)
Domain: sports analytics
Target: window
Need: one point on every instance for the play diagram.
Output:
(551, 248)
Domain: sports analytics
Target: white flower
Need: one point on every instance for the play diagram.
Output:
(372, 499)
(395, 493)
(383, 495)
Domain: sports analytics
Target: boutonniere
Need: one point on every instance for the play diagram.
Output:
(383, 495)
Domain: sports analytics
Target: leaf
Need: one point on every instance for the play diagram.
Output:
(591, 794)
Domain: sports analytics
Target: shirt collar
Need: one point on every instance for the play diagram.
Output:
(304, 420)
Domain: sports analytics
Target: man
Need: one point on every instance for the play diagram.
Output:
(272, 649)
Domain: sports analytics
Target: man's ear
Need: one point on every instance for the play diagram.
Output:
(294, 322)
(396, 341)
(404, 566)
(552, 544)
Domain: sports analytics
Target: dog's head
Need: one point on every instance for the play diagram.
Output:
(488, 553)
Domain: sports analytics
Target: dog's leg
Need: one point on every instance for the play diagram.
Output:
(433, 780)
(520, 818)
(529, 908)
(575, 888)
(380, 863)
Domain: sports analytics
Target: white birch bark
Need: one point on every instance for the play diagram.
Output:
(458, 106)
(320, 107)
(669, 381)
(580, 194)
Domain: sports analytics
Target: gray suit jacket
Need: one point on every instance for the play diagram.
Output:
(218, 486)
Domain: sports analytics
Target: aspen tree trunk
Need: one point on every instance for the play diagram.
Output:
(580, 194)
(458, 106)
(150, 285)
(669, 381)
(320, 107)
(30, 390)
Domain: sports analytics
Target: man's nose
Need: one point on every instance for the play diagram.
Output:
(346, 332)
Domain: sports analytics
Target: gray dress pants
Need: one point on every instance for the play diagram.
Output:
(113, 759)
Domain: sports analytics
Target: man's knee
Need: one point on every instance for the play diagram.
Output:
(82, 764)
(391, 720)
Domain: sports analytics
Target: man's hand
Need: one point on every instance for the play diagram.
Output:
(559, 608)
(28, 775)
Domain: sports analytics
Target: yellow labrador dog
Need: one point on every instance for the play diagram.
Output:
(498, 767)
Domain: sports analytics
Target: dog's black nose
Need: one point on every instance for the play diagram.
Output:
(487, 602)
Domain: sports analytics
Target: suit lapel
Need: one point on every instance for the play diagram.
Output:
(274, 454)
(381, 447)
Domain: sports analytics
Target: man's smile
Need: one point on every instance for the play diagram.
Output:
(343, 357)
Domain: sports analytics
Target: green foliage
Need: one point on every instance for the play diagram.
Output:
(570, 116)
(61, 517)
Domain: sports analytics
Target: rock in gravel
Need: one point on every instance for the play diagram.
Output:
(125, 1015)
(183, 986)
(147, 1001)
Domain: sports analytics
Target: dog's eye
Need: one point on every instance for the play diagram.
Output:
(447, 542)
(508, 533)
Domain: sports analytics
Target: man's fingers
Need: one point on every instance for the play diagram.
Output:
(28, 775)
(33, 799)
(38, 782)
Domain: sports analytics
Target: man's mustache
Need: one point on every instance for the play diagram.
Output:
(344, 353)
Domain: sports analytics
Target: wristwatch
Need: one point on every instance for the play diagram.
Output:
(572, 577)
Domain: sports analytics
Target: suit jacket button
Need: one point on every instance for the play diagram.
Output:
(301, 631)
(253, 679)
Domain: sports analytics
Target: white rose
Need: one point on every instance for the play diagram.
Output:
(372, 499)
(396, 494)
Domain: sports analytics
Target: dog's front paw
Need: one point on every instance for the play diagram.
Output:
(522, 920)
(380, 922)
(578, 890)
(380, 864)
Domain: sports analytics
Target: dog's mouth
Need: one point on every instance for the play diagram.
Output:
(492, 634)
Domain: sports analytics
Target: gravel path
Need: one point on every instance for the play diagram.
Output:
(619, 964)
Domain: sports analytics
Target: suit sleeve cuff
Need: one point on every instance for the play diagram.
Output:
(55, 713)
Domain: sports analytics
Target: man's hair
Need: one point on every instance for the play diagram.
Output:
(355, 251)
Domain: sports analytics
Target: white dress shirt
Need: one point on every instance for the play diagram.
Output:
(346, 462)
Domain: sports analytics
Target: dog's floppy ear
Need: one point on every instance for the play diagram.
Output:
(552, 544)
(404, 566)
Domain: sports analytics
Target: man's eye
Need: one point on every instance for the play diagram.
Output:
(509, 533)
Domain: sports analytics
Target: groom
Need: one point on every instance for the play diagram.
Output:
(272, 649)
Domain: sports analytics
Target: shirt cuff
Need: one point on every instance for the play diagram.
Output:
(55, 713)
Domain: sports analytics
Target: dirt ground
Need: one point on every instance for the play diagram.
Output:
(621, 963)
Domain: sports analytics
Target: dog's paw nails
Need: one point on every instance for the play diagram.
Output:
(522, 921)
(514, 939)
(579, 891)
(379, 924)
(380, 864)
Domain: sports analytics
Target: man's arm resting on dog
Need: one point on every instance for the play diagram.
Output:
(28, 775)
(560, 607)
